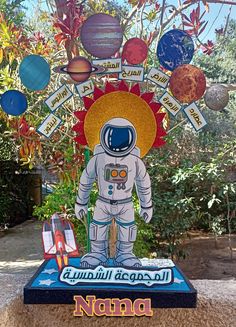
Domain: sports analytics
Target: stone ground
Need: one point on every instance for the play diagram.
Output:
(21, 254)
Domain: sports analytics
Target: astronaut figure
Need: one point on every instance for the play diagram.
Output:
(116, 166)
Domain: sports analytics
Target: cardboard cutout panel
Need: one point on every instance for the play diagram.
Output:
(59, 240)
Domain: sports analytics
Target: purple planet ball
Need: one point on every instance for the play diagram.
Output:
(101, 35)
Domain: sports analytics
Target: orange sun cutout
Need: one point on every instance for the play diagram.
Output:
(126, 103)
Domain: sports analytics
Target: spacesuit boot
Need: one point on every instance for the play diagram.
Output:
(124, 246)
(124, 255)
(98, 254)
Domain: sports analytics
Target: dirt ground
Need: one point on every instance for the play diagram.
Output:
(205, 260)
(21, 253)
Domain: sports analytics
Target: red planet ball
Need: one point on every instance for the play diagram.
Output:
(135, 51)
(187, 83)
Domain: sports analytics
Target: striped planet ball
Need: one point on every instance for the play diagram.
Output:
(101, 35)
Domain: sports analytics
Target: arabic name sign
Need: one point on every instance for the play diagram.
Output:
(158, 77)
(49, 125)
(195, 116)
(110, 65)
(116, 275)
(132, 73)
(85, 88)
(58, 97)
(170, 103)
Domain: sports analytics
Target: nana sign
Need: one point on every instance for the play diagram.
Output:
(111, 307)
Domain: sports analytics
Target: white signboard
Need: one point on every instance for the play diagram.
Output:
(158, 77)
(49, 125)
(195, 116)
(110, 65)
(132, 73)
(85, 88)
(170, 103)
(58, 97)
(160, 263)
(116, 275)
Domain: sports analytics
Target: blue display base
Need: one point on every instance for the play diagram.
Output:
(45, 287)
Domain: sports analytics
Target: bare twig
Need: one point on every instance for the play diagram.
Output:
(229, 226)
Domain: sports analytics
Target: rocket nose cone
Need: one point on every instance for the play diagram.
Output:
(55, 217)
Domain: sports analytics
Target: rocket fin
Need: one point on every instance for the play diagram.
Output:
(47, 237)
(70, 241)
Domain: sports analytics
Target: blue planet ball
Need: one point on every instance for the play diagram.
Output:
(13, 102)
(175, 48)
(34, 72)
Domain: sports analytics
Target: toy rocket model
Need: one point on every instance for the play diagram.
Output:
(59, 240)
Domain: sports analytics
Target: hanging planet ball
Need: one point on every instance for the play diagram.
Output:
(79, 69)
(34, 72)
(135, 51)
(13, 102)
(101, 35)
(175, 48)
(187, 83)
(216, 97)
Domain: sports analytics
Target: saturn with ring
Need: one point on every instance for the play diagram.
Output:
(79, 69)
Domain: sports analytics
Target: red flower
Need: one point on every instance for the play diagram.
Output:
(219, 31)
(208, 48)
(38, 37)
(194, 22)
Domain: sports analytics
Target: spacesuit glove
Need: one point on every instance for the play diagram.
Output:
(80, 211)
(146, 214)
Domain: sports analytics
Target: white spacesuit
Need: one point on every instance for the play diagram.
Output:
(116, 166)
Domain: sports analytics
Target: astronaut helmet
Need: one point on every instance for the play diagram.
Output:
(118, 137)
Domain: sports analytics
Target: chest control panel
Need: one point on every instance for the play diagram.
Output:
(116, 173)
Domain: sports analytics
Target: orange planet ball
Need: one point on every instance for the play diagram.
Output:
(187, 83)
(79, 69)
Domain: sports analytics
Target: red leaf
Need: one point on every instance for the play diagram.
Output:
(158, 142)
(159, 117)
(81, 139)
(186, 17)
(80, 114)
(202, 29)
(59, 38)
(97, 93)
(192, 16)
(79, 128)
(155, 106)
(187, 24)
(109, 88)
(123, 86)
(197, 12)
(62, 27)
(147, 96)
(88, 102)
(161, 132)
(135, 89)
